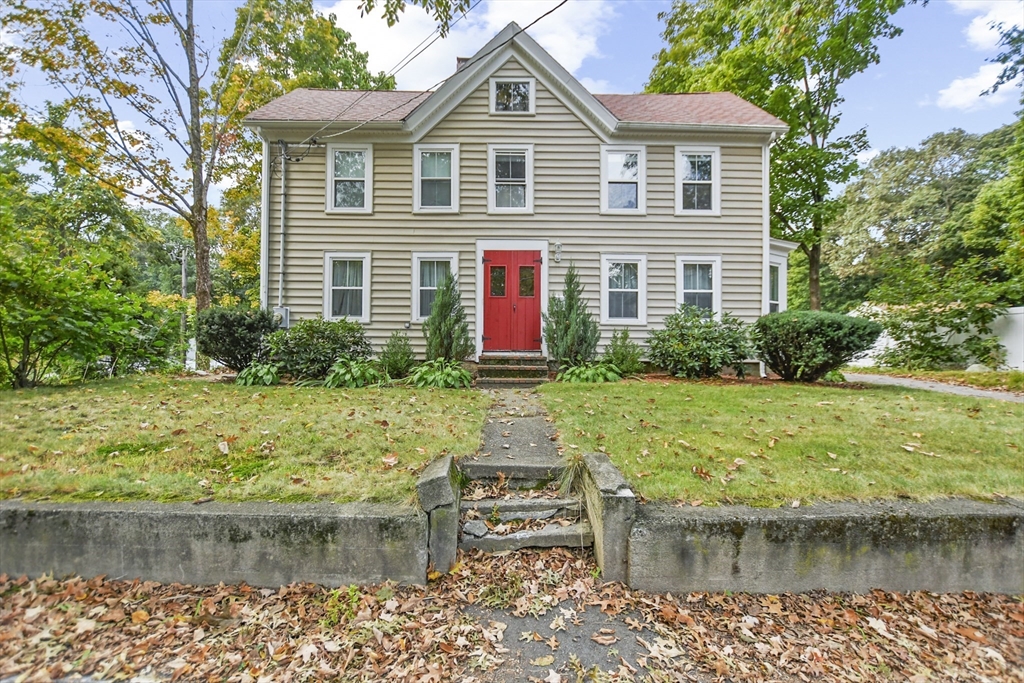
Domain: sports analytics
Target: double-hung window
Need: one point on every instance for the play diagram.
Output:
(429, 270)
(513, 95)
(624, 289)
(350, 178)
(436, 171)
(510, 178)
(623, 179)
(698, 186)
(698, 282)
(347, 286)
(773, 289)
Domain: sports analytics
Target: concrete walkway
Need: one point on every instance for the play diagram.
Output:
(933, 386)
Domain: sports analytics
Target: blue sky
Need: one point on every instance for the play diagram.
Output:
(929, 78)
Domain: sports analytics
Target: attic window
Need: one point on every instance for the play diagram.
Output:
(512, 96)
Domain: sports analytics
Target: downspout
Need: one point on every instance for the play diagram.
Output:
(284, 190)
(265, 226)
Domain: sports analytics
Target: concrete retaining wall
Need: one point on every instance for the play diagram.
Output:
(261, 544)
(943, 546)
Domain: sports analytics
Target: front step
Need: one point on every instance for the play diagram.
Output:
(577, 535)
(508, 371)
(517, 475)
(509, 509)
(509, 382)
(529, 359)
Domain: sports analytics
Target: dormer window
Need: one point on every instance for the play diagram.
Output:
(512, 95)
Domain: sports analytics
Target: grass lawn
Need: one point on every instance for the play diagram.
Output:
(168, 439)
(1007, 380)
(769, 443)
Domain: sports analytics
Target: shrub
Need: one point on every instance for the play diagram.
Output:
(442, 374)
(590, 373)
(396, 358)
(258, 374)
(309, 348)
(569, 326)
(936, 336)
(352, 374)
(693, 345)
(233, 336)
(446, 330)
(624, 353)
(806, 345)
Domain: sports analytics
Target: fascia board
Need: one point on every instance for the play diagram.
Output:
(637, 127)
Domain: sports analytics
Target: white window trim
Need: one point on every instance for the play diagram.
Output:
(641, 185)
(363, 256)
(367, 188)
(640, 259)
(495, 148)
(716, 278)
(783, 264)
(716, 180)
(533, 96)
(417, 187)
(417, 257)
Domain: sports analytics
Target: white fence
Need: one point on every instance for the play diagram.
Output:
(1009, 328)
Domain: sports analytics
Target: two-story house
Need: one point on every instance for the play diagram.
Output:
(504, 175)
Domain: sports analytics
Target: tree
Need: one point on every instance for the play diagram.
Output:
(276, 47)
(446, 329)
(571, 332)
(790, 59)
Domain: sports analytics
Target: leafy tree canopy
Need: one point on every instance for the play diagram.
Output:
(790, 59)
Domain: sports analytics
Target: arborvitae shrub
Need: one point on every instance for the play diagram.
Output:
(446, 330)
(569, 326)
(233, 336)
(805, 346)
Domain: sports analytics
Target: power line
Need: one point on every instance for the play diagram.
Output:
(433, 87)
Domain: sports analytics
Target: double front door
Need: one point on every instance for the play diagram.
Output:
(512, 291)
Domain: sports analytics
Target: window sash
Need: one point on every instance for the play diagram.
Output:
(773, 289)
(347, 282)
(699, 285)
(510, 174)
(697, 181)
(349, 179)
(432, 274)
(623, 290)
(512, 97)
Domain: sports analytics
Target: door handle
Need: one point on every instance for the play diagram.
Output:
(513, 308)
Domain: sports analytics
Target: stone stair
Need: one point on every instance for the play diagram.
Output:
(511, 498)
(511, 370)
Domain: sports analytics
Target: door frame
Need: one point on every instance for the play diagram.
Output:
(508, 245)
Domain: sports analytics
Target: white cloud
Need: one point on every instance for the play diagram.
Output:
(981, 32)
(570, 34)
(867, 155)
(596, 85)
(965, 93)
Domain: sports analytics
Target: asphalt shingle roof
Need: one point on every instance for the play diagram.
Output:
(708, 108)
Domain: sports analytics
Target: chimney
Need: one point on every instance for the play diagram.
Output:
(461, 62)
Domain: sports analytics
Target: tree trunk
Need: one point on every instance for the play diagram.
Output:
(198, 219)
(814, 276)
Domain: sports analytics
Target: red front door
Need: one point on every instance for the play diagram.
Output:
(512, 294)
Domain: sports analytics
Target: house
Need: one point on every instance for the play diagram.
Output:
(504, 175)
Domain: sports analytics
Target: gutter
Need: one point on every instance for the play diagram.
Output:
(643, 127)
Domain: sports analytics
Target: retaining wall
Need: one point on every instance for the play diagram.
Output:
(950, 545)
(261, 544)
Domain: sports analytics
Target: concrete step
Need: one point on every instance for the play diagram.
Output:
(532, 360)
(525, 508)
(527, 474)
(502, 371)
(509, 382)
(553, 535)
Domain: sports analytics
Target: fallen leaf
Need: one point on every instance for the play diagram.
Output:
(604, 639)
(140, 616)
(545, 660)
(223, 446)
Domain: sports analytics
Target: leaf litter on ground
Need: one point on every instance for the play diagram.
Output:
(108, 629)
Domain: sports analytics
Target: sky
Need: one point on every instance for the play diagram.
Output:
(929, 78)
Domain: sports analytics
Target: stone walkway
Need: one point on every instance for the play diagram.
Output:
(933, 386)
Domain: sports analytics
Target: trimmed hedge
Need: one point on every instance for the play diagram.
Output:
(804, 346)
(233, 336)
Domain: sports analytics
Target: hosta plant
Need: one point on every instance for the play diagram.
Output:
(353, 373)
(441, 374)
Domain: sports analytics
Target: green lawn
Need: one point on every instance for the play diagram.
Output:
(1007, 380)
(769, 443)
(163, 439)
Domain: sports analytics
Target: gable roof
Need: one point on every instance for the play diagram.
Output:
(417, 112)
(699, 108)
(318, 106)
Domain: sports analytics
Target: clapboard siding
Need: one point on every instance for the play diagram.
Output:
(566, 210)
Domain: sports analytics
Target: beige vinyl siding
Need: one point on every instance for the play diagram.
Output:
(566, 210)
